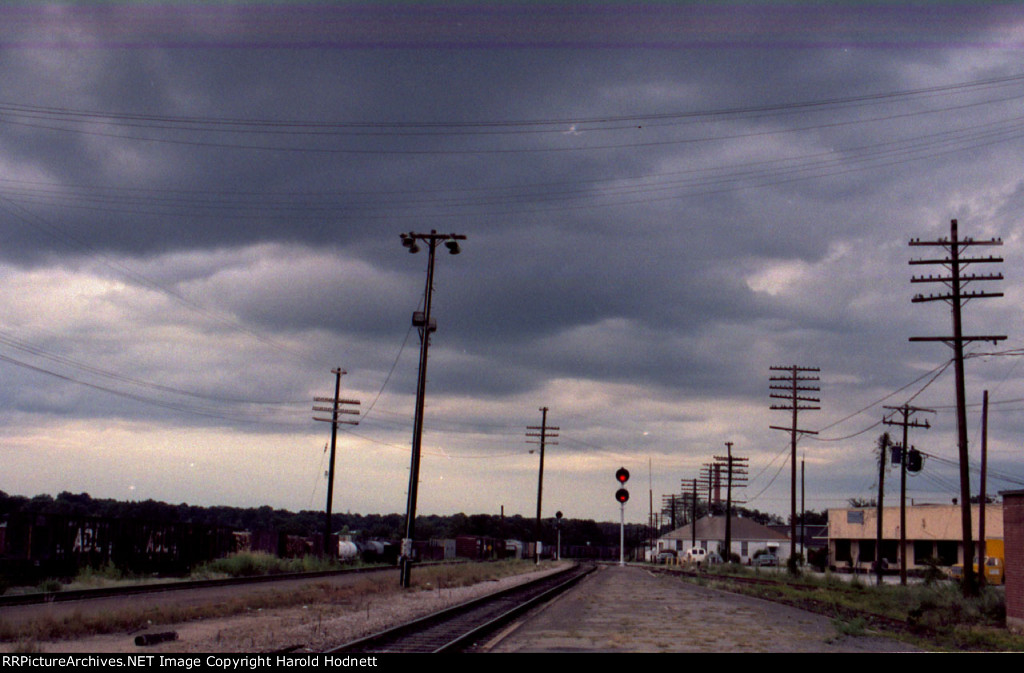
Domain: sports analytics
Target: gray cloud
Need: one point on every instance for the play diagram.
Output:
(199, 218)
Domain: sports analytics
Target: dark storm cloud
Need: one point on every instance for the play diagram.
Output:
(665, 200)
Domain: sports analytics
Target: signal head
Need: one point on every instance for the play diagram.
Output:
(622, 495)
(622, 475)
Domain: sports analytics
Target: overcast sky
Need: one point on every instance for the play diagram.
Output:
(200, 209)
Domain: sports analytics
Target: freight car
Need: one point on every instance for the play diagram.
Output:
(379, 551)
(282, 545)
(56, 545)
(479, 548)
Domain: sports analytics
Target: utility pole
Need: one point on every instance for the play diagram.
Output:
(711, 481)
(906, 411)
(793, 388)
(735, 472)
(652, 523)
(803, 513)
(983, 489)
(335, 410)
(670, 506)
(884, 442)
(542, 437)
(426, 324)
(956, 297)
(693, 528)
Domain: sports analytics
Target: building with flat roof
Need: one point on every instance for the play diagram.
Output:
(934, 533)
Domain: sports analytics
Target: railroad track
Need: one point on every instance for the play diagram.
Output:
(459, 627)
(185, 585)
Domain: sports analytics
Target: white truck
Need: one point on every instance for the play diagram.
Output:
(696, 555)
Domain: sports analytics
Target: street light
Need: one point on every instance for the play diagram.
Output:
(426, 324)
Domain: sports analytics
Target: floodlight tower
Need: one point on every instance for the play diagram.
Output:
(426, 324)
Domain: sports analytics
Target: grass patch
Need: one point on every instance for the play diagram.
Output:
(253, 564)
(935, 615)
(856, 626)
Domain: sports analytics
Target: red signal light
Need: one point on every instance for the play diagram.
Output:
(622, 495)
(622, 475)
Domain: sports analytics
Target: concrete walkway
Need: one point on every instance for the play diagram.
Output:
(630, 609)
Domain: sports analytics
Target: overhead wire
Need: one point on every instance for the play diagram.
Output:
(194, 123)
(160, 122)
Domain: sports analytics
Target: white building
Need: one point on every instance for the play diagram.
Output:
(746, 535)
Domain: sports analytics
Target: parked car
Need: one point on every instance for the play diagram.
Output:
(765, 559)
(666, 555)
(714, 557)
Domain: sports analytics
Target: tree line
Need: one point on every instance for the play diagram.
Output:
(361, 527)
(309, 523)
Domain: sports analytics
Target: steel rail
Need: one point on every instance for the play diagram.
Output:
(36, 598)
(457, 627)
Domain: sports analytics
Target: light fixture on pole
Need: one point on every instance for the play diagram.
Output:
(426, 324)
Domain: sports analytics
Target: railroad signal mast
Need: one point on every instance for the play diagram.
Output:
(335, 409)
(794, 388)
(621, 496)
(956, 297)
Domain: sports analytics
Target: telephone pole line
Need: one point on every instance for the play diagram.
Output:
(906, 411)
(334, 410)
(542, 439)
(956, 297)
(793, 387)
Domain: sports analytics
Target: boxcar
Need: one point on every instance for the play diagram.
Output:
(57, 545)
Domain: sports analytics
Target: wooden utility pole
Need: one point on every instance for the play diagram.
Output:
(956, 297)
(334, 410)
(736, 474)
(884, 442)
(983, 490)
(670, 504)
(693, 527)
(544, 432)
(906, 411)
(794, 388)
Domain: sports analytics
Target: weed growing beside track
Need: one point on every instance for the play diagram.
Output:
(933, 615)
